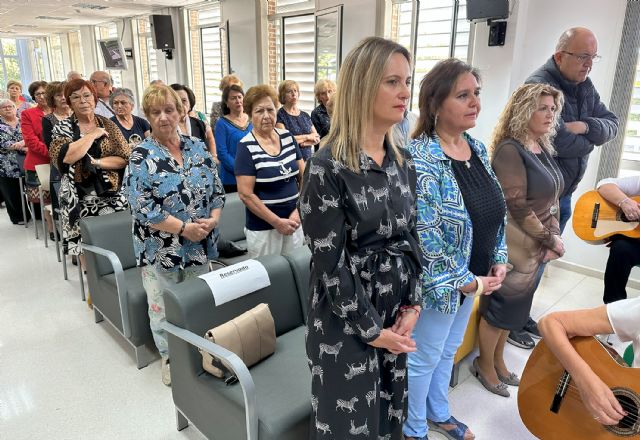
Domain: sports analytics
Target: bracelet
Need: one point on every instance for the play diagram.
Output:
(480, 288)
(184, 224)
(622, 201)
(98, 163)
(404, 309)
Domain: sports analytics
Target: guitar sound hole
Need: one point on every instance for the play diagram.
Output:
(630, 406)
(630, 402)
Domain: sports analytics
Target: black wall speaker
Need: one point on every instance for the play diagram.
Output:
(162, 32)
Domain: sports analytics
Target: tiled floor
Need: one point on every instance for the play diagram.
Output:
(64, 377)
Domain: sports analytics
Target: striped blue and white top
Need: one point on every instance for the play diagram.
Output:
(276, 176)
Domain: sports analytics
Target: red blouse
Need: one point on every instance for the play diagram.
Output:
(37, 151)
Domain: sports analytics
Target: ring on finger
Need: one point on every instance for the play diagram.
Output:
(596, 418)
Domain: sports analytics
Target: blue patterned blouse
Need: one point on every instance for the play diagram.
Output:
(157, 186)
(297, 125)
(8, 157)
(444, 226)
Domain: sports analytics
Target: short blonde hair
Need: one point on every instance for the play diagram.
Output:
(513, 122)
(255, 94)
(359, 80)
(282, 89)
(323, 84)
(160, 94)
(13, 82)
(227, 80)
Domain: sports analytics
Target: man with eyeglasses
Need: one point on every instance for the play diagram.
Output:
(103, 84)
(584, 123)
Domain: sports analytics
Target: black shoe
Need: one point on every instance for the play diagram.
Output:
(521, 339)
(52, 236)
(531, 327)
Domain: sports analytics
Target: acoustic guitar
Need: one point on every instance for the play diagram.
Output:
(549, 401)
(595, 219)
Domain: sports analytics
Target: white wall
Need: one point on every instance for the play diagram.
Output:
(532, 33)
(244, 30)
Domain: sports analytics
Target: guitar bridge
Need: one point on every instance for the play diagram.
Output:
(594, 215)
(561, 390)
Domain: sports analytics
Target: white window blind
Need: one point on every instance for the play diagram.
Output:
(299, 56)
(147, 65)
(55, 58)
(631, 149)
(434, 30)
(75, 51)
(207, 55)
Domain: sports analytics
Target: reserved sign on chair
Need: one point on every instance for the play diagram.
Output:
(237, 280)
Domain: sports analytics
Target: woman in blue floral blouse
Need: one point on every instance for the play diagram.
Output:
(10, 143)
(176, 199)
(461, 228)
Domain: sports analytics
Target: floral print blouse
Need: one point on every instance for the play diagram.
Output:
(8, 157)
(157, 186)
(444, 226)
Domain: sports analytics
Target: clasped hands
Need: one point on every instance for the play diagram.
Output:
(199, 229)
(554, 252)
(287, 226)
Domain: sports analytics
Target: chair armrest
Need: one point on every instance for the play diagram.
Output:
(231, 361)
(123, 292)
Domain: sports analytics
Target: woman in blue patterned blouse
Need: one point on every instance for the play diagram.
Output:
(10, 143)
(296, 121)
(176, 198)
(461, 227)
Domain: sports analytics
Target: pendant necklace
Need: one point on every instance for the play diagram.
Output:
(466, 161)
(555, 178)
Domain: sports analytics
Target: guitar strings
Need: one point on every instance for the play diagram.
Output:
(632, 410)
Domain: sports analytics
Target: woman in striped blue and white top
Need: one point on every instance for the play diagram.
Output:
(268, 170)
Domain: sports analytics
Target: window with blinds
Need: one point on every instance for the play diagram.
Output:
(36, 49)
(441, 31)
(103, 32)
(631, 148)
(208, 55)
(75, 51)
(292, 46)
(55, 58)
(147, 64)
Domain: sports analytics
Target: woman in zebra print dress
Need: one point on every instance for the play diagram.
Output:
(357, 207)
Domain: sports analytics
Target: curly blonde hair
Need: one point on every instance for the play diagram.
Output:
(514, 120)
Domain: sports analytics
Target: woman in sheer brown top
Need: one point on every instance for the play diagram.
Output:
(522, 158)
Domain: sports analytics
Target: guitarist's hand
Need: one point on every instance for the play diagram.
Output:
(599, 400)
(631, 209)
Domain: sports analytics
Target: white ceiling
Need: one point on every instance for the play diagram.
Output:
(18, 17)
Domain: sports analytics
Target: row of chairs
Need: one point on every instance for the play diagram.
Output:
(251, 409)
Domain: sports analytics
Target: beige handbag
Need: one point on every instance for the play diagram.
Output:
(252, 336)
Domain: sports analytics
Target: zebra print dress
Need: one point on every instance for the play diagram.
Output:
(365, 264)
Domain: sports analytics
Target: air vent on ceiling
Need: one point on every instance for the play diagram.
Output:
(24, 25)
(90, 6)
(47, 17)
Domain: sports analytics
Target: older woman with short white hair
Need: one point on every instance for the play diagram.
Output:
(133, 128)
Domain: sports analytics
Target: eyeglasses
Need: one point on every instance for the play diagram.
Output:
(96, 81)
(583, 57)
(6, 107)
(40, 94)
(84, 97)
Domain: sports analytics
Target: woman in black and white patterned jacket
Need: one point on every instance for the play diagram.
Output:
(358, 215)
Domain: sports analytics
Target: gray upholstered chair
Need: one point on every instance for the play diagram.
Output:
(115, 282)
(272, 401)
(232, 221)
(300, 261)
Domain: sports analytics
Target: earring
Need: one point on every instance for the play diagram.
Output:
(435, 120)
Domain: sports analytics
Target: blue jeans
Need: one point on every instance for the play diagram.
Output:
(438, 336)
